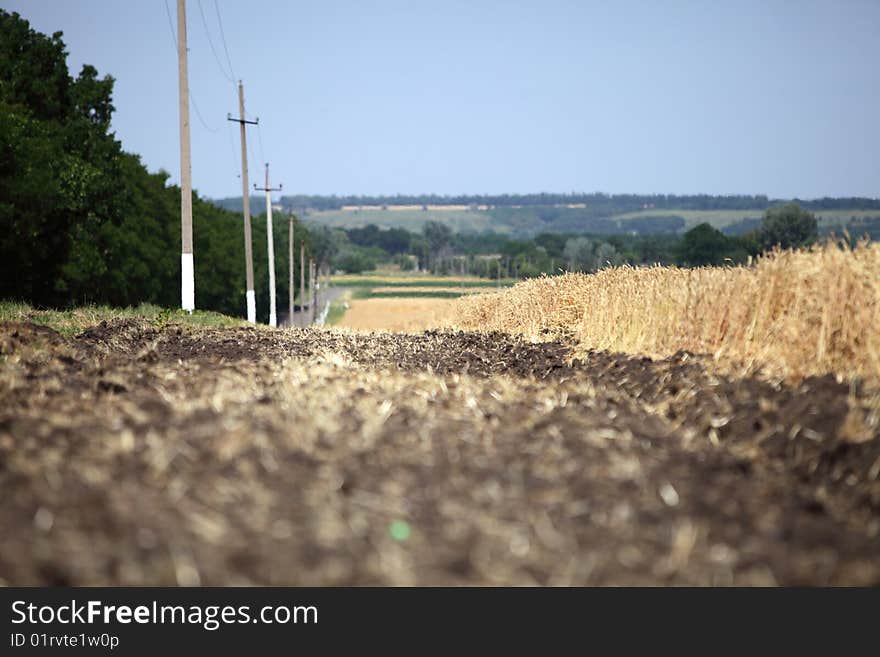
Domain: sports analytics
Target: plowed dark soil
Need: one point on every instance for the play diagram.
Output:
(134, 454)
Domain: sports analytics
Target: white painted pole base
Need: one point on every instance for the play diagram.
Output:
(251, 307)
(187, 282)
(273, 320)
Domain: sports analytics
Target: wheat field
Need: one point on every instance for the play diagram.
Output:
(790, 314)
(399, 314)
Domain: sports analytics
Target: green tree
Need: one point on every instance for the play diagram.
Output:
(584, 254)
(578, 253)
(356, 259)
(59, 164)
(704, 245)
(85, 222)
(136, 259)
(606, 256)
(439, 237)
(420, 247)
(788, 226)
(405, 262)
(326, 244)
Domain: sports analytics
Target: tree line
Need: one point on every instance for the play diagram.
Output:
(490, 254)
(609, 204)
(621, 214)
(85, 222)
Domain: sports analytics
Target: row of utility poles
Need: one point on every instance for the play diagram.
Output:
(186, 258)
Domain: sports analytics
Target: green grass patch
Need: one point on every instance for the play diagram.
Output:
(337, 310)
(76, 320)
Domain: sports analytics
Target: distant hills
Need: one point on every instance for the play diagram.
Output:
(526, 215)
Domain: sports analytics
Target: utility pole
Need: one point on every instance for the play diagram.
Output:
(273, 315)
(314, 303)
(187, 276)
(290, 288)
(302, 282)
(250, 298)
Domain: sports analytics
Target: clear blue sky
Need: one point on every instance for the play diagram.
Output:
(367, 97)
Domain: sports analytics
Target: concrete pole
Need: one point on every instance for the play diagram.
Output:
(290, 287)
(314, 302)
(302, 282)
(250, 296)
(273, 315)
(187, 275)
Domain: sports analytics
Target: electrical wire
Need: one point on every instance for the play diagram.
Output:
(211, 44)
(192, 97)
(171, 26)
(260, 139)
(253, 157)
(201, 119)
(223, 39)
(198, 113)
(235, 163)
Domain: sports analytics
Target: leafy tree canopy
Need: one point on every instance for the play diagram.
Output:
(789, 226)
(85, 222)
(704, 245)
(59, 164)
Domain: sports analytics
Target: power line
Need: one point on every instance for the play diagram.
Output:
(260, 138)
(192, 97)
(251, 146)
(253, 156)
(199, 114)
(223, 39)
(232, 148)
(171, 27)
(211, 43)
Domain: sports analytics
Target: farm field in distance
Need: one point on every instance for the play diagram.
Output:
(410, 314)
(392, 300)
(518, 221)
(466, 220)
